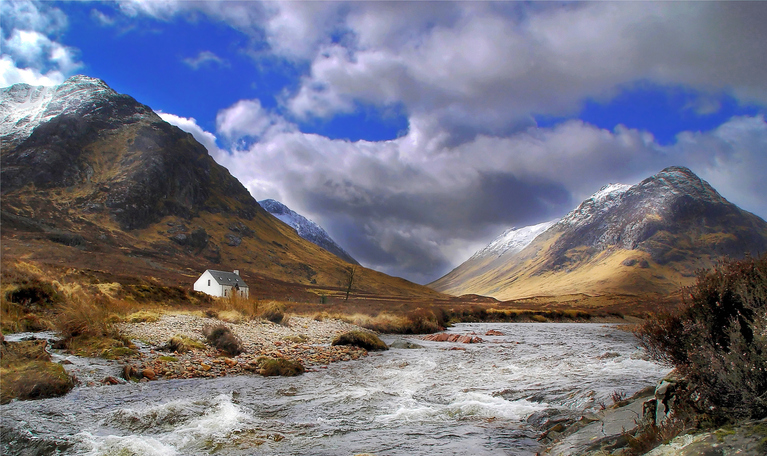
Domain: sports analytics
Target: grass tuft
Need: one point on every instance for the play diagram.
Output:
(362, 339)
(274, 312)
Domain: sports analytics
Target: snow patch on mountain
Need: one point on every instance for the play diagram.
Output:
(597, 204)
(24, 107)
(306, 228)
(513, 240)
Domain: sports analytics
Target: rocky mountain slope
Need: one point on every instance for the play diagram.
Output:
(649, 238)
(306, 228)
(94, 180)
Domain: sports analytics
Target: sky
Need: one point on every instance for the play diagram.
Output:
(417, 132)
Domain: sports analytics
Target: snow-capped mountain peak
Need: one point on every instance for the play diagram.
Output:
(599, 203)
(305, 228)
(513, 240)
(24, 107)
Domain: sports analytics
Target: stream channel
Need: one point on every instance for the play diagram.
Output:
(491, 398)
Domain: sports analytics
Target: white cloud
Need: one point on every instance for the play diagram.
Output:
(31, 53)
(103, 19)
(11, 73)
(487, 70)
(205, 58)
(731, 158)
(249, 118)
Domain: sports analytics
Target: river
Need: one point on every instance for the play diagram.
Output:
(481, 399)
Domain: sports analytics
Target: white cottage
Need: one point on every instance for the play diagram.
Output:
(222, 284)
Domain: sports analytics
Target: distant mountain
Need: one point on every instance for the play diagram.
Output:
(649, 238)
(306, 228)
(95, 181)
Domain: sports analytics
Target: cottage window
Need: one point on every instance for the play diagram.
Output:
(208, 282)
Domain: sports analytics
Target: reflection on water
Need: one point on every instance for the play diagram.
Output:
(484, 399)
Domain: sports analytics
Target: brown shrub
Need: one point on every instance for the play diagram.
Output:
(270, 367)
(362, 339)
(221, 337)
(718, 340)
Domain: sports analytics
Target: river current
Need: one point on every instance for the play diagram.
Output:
(480, 399)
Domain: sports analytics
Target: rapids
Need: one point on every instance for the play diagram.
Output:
(489, 399)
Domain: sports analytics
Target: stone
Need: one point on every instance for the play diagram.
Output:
(405, 344)
(149, 374)
(459, 338)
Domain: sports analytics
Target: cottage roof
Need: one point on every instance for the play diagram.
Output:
(227, 278)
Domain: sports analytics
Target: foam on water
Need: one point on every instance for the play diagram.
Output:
(168, 428)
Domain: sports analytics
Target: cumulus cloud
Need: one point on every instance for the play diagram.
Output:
(31, 52)
(247, 118)
(488, 70)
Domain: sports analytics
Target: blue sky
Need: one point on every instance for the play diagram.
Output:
(416, 132)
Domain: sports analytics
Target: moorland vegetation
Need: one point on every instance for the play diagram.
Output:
(717, 343)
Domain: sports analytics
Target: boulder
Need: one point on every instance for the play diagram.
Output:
(405, 344)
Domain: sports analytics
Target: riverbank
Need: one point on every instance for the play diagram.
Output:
(650, 424)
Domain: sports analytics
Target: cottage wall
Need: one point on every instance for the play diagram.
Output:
(207, 284)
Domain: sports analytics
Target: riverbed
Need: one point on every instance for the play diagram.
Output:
(445, 398)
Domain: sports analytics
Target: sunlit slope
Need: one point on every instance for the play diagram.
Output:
(647, 239)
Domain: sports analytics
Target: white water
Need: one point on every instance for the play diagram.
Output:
(485, 400)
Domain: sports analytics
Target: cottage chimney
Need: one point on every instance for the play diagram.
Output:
(237, 271)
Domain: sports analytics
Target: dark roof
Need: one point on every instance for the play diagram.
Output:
(228, 278)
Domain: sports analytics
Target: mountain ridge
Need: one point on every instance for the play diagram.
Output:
(649, 238)
(97, 181)
(306, 228)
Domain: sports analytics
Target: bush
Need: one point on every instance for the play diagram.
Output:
(270, 367)
(362, 339)
(274, 312)
(181, 344)
(223, 339)
(718, 339)
(423, 321)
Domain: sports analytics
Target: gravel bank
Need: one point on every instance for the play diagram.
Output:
(301, 339)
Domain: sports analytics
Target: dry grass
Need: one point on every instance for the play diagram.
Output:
(143, 316)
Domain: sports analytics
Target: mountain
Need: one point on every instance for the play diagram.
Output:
(95, 181)
(645, 239)
(306, 228)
